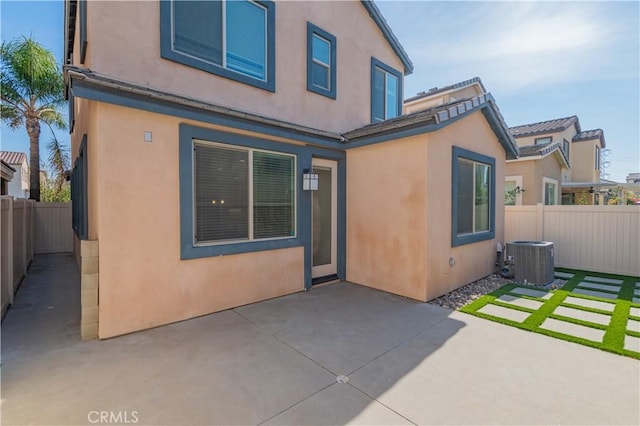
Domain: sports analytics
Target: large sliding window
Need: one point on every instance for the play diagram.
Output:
(473, 197)
(386, 91)
(242, 194)
(231, 38)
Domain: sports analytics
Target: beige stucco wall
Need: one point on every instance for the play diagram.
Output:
(143, 282)
(113, 25)
(584, 161)
(386, 216)
(472, 261)
(532, 172)
(399, 212)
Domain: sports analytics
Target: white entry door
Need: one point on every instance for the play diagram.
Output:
(324, 219)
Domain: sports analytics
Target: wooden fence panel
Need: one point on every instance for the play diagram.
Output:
(593, 238)
(53, 230)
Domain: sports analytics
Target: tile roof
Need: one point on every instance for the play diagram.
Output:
(440, 116)
(437, 90)
(588, 135)
(548, 126)
(12, 157)
(543, 151)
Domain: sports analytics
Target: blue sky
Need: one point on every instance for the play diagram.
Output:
(540, 60)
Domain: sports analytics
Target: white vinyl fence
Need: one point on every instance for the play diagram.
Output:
(28, 228)
(592, 238)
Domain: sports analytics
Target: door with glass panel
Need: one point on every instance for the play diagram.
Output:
(324, 218)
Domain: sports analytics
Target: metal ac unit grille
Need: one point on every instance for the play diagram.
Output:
(532, 261)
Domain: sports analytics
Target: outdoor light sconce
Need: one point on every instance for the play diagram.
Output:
(518, 190)
(309, 181)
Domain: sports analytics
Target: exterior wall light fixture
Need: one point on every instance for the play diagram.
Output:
(309, 181)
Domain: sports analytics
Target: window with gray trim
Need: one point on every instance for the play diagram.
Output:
(543, 141)
(233, 39)
(598, 154)
(242, 194)
(386, 91)
(473, 197)
(321, 61)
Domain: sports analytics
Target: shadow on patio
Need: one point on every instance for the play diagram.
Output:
(243, 366)
(282, 362)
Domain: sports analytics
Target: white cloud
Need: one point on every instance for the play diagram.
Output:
(518, 45)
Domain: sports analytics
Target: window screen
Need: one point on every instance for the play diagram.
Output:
(242, 194)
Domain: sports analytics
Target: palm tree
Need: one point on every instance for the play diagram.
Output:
(32, 90)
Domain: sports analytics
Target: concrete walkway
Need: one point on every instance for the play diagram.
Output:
(335, 355)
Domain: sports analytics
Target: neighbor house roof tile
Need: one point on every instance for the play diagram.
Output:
(548, 126)
(12, 157)
(588, 135)
(437, 90)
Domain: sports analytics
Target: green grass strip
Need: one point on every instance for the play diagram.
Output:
(615, 331)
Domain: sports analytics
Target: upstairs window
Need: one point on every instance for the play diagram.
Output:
(597, 158)
(473, 197)
(321, 61)
(543, 141)
(386, 91)
(565, 148)
(233, 39)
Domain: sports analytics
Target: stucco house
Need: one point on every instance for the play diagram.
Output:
(19, 185)
(6, 176)
(559, 163)
(437, 96)
(231, 152)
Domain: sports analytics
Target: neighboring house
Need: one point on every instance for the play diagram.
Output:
(633, 178)
(19, 186)
(557, 157)
(6, 175)
(196, 147)
(439, 96)
(538, 169)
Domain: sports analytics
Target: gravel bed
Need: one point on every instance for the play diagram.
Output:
(470, 292)
(466, 294)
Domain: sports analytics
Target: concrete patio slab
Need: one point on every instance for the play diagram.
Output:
(634, 311)
(231, 368)
(588, 303)
(506, 313)
(571, 329)
(596, 286)
(633, 325)
(523, 382)
(564, 275)
(632, 343)
(351, 324)
(583, 315)
(520, 301)
(337, 405)
(604, 280)
(530, 292)
(595, 293)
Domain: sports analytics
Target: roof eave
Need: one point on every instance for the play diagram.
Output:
(384, 27)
